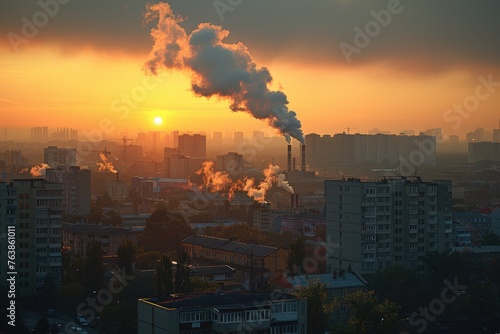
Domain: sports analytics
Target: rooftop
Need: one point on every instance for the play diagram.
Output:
(95, 229)
(220, 300)
(348, 280)
(229, 245)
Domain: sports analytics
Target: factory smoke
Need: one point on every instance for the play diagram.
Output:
(218, 181)
(218, 69)
(36, 171)
(105, 164)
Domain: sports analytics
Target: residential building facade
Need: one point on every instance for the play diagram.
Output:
(371, 225)
(228, 313)
(34, 207)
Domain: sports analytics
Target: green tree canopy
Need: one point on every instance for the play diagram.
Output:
(94, 266)
(296, 256)
(319, 305)
(125, 254)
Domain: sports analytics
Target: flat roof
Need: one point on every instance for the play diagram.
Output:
(229, 245)
(95, 229)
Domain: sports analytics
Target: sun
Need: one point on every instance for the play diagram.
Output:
(158, 120)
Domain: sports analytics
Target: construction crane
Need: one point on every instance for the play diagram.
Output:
(348, 129)
(125, 140)
(105, 151)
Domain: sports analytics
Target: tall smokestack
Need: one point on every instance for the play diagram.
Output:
(303, 166)
(117, 176)
(289, 163)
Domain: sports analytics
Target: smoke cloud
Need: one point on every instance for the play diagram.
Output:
(36, 171)
(218, 69)
(217, 181)
(105, 164)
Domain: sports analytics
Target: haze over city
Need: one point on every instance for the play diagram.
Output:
(249, 166)
(88, 59)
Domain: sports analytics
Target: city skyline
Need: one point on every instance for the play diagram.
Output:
(407, 76)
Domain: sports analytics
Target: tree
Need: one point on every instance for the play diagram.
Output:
(296, 256)
(42, 326)
(319, 306)
(125, 255)
(118, 318)
(164, 231)
(94, 266)
(147, 260)
(491, 239)
(370, 315)
(362, 303)
(182, 281)
(48, 293)
(70, 295)
(393, 284)
(447, 265)
(164, 277)
(113, 218)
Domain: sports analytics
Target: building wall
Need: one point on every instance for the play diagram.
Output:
(371, 225)
(331, 155)
(36, 212)
(155, 319)
(55, 157)
(76, 188)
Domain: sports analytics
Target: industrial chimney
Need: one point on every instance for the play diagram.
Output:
(303, 156)
(289, 161)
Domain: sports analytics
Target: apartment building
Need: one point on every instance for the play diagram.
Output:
(34, 207)
(76, 188)
(371, 225)
(254, 263)
(223, 313)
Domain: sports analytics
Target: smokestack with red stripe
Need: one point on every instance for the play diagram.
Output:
(303, 166)
(289, 161)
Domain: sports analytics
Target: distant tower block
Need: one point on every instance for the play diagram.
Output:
(289, 161)
(303, 165)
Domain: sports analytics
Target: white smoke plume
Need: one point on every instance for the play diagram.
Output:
(284, 183)
(218, 69)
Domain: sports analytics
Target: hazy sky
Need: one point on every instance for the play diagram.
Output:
(392, 65)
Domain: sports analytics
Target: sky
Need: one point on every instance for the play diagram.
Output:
(392, 65)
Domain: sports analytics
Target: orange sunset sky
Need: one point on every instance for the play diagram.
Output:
(85, 64)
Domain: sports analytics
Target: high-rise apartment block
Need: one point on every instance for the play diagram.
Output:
(194, 146)
(76, 188)
(371, 225)
(339, 153)
(34, 208)
(485, 150)
(231, 163)
(55, 156)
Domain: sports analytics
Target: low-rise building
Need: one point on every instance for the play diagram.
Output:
(254, 263)
(76, 237)
(223, 275)
(223, 313)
